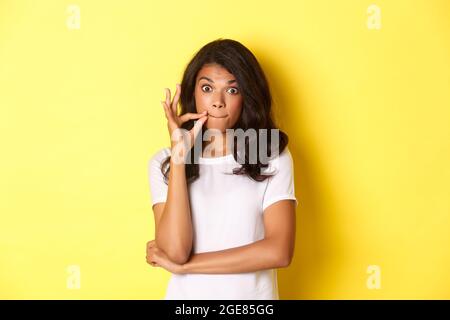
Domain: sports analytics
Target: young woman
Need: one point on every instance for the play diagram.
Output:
(223, 224)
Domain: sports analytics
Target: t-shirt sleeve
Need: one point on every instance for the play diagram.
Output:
(280, 186)
(158, 188)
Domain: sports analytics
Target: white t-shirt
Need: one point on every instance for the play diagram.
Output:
(227, 211)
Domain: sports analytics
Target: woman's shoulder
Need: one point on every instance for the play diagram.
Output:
(279, 162)
(284, 156)
(160, 155)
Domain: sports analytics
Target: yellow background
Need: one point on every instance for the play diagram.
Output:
(367, 112)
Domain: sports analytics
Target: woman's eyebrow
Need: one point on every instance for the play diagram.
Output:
(206, 78)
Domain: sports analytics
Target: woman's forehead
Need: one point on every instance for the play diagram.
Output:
(215, 72)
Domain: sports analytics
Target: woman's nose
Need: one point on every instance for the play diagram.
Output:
(218, 105)
(218, 101)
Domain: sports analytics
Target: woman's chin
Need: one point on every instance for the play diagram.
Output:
(218, 126)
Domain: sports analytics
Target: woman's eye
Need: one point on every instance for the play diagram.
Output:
(231, 90)
(235, 90)
(206, 86)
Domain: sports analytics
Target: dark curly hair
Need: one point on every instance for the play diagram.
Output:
(256, 109)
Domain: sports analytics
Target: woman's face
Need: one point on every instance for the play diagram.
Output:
(217, 92)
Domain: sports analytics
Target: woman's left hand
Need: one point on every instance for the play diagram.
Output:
(158, 258)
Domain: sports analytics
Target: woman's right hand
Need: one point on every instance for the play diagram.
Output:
(180, 141)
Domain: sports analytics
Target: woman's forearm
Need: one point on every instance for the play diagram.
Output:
(174, 235)
(259, 255)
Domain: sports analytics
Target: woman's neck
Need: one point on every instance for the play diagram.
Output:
(216, 147)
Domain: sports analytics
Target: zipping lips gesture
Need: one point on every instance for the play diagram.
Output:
(181, 140)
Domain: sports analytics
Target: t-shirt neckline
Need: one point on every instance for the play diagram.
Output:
(216, 159)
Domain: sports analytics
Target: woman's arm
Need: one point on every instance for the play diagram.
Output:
(274, 251)
(173, 232)
(259, 255)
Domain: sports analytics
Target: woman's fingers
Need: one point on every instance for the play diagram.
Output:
(170, 108)
(197, 127)
(189, 116)
(150, 261)
(150, 257)
(168, 112)
(151, 244)
(174, 104)
(175, 121)
(167, 96)
(176, 98)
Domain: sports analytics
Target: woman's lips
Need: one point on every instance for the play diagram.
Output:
(216, 116)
